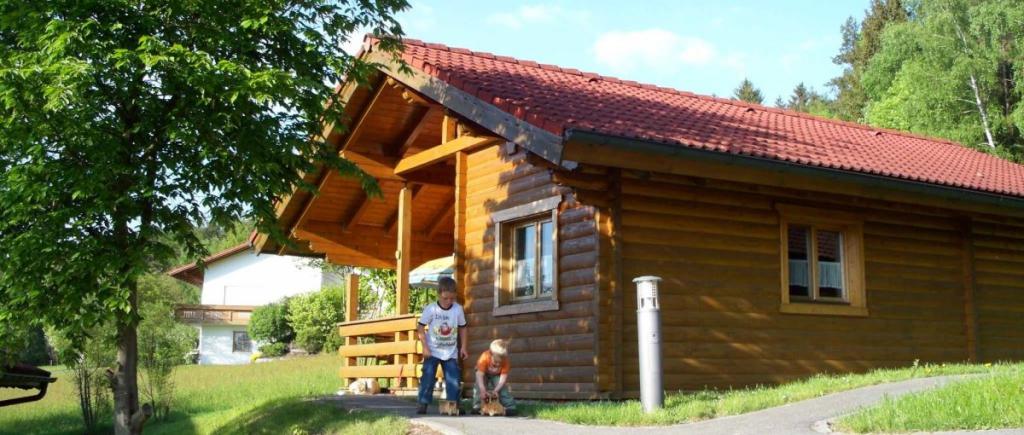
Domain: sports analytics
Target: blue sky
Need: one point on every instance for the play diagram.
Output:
(706, 47)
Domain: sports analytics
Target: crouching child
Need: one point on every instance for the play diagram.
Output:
(492, 378)
(446, 330)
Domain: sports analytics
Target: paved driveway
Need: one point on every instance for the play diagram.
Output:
(805, 417)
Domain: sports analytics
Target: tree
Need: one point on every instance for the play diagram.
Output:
(270, 323)
(949, 72)
(128, 124)
(747, 92)
(807, 100)
(860, 43)
(313, 316)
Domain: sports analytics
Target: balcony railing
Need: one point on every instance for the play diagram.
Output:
(214, 314)
(391, 341)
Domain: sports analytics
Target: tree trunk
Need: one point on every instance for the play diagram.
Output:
(128, 417)
(981, 110)
(974, 84)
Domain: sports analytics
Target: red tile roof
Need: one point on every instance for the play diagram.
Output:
(557, 99)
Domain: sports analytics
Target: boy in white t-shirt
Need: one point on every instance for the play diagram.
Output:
(444, 343)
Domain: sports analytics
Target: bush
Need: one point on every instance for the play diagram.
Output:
(88, 361)
(333, 341)
(269, 323)
(164, 344)
(271, 350)
(314, 316)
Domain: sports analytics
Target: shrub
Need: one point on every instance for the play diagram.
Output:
(333, 341)
(269, 323)
(314, 316)
(271, 350)
(163, 345)
(88, 362)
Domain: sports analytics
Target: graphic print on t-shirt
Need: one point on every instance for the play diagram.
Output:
(444, 335)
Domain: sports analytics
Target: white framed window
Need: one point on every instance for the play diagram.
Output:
(526, 257)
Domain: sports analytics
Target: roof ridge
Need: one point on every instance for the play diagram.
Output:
(648, 86)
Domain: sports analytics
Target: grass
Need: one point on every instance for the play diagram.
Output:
(995, 401)
(684, 407)
(214, 399)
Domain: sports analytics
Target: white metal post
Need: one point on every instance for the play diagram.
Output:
(648, 318)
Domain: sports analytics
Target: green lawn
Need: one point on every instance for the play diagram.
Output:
(685, 407)
(994, 401)
(268, 397)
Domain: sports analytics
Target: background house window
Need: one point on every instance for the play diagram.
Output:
(822, 262)
(240, 342)
(526, 257)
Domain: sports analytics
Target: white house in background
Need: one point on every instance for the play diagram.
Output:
(234, 282)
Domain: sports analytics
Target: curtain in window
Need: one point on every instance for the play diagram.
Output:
(798, 275)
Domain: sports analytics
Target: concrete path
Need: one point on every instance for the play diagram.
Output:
(805, 417)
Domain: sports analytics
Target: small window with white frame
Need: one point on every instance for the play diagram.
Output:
(526, 259)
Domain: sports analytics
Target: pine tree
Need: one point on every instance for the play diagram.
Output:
(747, 92)
(860, 43)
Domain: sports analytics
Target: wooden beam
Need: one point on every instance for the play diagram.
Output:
(460, 225)
(442, 219)
(352, 297)
(618, 289)
(485, 114)
(970, 282)
(441, 152)
(449, 128)
(404, 253)
(357, 214)
(417, 128)
(357, 128)
(392, 222)
(377, 167)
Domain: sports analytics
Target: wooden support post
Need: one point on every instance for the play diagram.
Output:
(352, 297)
(970, 309)
(403, 256)
(460, 225)
(618, 289)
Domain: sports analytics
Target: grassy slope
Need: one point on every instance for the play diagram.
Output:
(209, 399)
(991, 402)
(685, 407)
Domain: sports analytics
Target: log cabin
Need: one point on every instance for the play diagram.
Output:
(788, 244)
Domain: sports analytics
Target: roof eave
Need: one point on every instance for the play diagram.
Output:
(993, 203)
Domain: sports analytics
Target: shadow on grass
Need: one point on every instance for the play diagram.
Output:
(55, 423)
(302, 415)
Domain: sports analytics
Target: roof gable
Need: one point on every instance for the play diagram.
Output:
(558, 99)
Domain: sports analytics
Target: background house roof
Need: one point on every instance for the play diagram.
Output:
(192, 273)
(558, 99)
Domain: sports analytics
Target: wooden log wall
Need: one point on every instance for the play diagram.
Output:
(716, 244)
(998, 265)
(553, 352)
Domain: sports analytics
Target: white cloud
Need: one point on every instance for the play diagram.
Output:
(737, 62)
(526, 14)
(651, 48)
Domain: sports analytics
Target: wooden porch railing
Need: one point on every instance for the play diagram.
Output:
(394, 342)
(214, 314)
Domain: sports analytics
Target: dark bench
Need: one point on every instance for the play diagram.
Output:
(24, 377)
